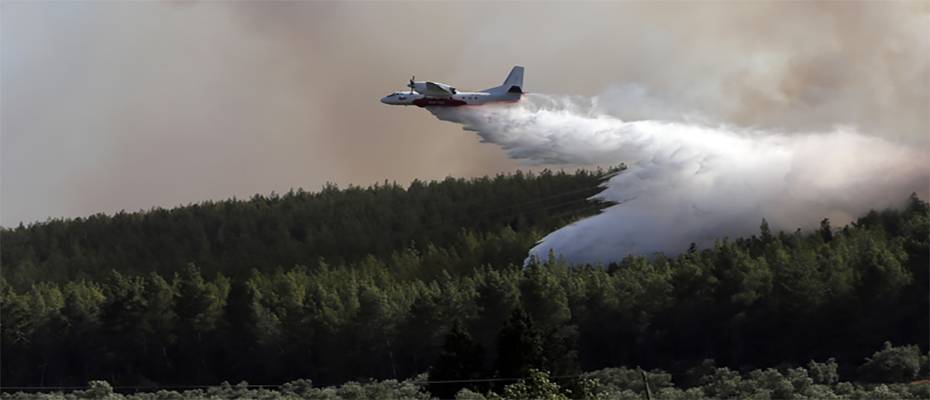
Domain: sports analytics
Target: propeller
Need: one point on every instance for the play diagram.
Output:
(411, 85)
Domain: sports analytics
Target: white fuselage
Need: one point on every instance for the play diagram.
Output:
(435, 94)
(457, 99)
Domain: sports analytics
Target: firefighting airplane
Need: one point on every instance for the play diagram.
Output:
(431, 94)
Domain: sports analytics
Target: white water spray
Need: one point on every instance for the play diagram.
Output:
(692, 183)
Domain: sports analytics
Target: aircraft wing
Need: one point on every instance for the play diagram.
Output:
(434, 90)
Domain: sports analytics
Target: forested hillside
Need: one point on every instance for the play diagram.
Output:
(381, 283)
(301, 228)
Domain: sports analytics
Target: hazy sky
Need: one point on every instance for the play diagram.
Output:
(107, 106)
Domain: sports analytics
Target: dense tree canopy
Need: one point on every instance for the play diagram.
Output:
(443, 218)
(233, 291)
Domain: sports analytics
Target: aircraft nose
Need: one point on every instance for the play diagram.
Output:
(384, 100)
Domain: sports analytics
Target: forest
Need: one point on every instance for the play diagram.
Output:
(340, 226)
(426, 286)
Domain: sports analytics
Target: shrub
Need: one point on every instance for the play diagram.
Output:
(823, 373)
(620, 379)
(723, 383)
(800, 381)
(168, 395)
(97, 390)
(351, 391)
(920, 391)
(467, 394)
(770, 381)
(300, 387)
(536, 386)
(695, 375)
(392, 389)
(892, 364)
(844, 388)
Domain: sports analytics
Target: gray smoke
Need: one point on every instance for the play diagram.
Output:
(129, 105)
(694, 182)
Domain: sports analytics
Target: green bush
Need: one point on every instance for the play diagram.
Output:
(719, 384)
(799, 379)
(892, 364)
(769, 381)
(723, 383)
(536, 386)
(619, 379)
(300, 387)
(920, 391)
(467, 394)
(97, 390)
(823, 373)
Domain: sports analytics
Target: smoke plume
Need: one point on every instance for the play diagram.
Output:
(130, 105)
(695, 182)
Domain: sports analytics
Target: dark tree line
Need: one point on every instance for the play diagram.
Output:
(300, 228)
(461, 307)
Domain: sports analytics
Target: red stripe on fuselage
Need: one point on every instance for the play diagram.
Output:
(435, 102)
(428, 102)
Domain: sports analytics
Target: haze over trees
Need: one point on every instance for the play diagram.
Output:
(389, 282)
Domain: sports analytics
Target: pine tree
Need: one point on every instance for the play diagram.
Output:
(461, 358)
(519, 346)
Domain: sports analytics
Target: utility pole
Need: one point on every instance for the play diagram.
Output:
(645, 383)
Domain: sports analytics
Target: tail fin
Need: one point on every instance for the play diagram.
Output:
(514, 81)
